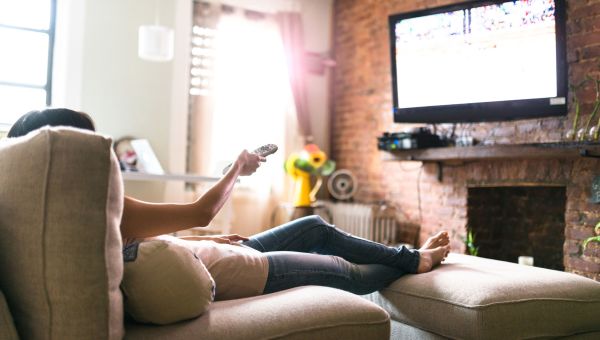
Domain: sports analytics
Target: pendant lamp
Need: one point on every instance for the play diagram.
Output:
(155, 42)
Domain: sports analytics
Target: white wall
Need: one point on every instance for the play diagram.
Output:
(317, 18)
(97, 71)
(126, 95)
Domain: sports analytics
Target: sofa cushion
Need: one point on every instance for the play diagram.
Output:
(476, 298)
(7, 326)
(308, 312)
(61, 200)
(164, 283)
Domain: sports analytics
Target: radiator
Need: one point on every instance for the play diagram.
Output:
(373, 222)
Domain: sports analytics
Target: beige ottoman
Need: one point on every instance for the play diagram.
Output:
(475, 298)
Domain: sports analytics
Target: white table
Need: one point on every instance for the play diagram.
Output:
(143, 176)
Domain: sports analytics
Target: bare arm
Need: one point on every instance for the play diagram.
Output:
(229, 239)
(144, 219)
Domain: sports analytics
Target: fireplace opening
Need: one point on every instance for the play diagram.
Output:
(509, 222)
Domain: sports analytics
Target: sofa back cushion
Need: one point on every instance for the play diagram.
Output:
(61, 200)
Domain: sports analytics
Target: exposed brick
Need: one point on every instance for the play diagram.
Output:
(589, 52)
(584, 25)
(593, 276)
(362, 110)
(577, 263)
(572, 248)
(592, 250)
(579, 12)
(578, 233)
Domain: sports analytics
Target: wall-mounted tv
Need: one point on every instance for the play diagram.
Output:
(479, 61)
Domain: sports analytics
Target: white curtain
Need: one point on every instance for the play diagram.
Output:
(252, 105)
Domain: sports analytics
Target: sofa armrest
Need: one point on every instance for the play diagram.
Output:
(61, 200)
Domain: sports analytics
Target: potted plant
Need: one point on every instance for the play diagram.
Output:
(587, 131)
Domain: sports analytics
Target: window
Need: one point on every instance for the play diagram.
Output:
(239, 91)
(27, 39)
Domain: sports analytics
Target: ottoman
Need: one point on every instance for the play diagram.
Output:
(469, 297)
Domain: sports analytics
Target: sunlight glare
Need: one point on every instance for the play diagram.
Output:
(252, 91)
(25, 13)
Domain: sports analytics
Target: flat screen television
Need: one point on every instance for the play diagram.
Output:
(479, 61)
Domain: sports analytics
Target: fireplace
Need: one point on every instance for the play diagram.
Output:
(513, 221)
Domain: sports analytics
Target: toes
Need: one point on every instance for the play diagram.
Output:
(444, 238)
(441, 238)
(439, 235)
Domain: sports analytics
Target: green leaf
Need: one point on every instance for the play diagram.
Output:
(470, 237)
(328, 168)
(590, 239)
(597, 228)
(304, 165)
(470, 243)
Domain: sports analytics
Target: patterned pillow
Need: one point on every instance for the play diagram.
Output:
(165, 283)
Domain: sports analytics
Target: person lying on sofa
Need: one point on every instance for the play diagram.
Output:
(306, 251)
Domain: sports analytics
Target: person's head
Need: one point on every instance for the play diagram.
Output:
(34, 120)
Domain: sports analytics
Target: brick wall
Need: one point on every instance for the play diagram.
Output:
(362, 110)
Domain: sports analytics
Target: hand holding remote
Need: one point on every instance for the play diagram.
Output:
(263, 151)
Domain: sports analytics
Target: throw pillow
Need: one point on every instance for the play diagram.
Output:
(165, 283)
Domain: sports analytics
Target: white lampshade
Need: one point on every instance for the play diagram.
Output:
(155, 43)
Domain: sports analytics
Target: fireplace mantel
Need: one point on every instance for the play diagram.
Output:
(497, 152)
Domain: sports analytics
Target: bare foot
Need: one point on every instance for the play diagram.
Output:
(430, 258)
(438, 240)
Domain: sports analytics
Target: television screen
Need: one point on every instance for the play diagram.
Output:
(479, 61)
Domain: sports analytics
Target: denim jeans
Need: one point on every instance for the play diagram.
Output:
(309, 251)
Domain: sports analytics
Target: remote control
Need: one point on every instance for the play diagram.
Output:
(264, 151)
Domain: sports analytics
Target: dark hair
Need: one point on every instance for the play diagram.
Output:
(34, 120)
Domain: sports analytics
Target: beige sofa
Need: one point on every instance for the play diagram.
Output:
(61, 262)
(61, 266)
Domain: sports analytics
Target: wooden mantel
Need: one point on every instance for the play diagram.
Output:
(497, 152)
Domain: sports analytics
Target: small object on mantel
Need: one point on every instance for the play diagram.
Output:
(595, 197)
(526, 260)
(465, 141)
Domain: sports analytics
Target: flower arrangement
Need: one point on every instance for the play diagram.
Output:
(311, 161)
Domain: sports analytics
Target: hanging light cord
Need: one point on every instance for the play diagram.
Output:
(156, 22)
